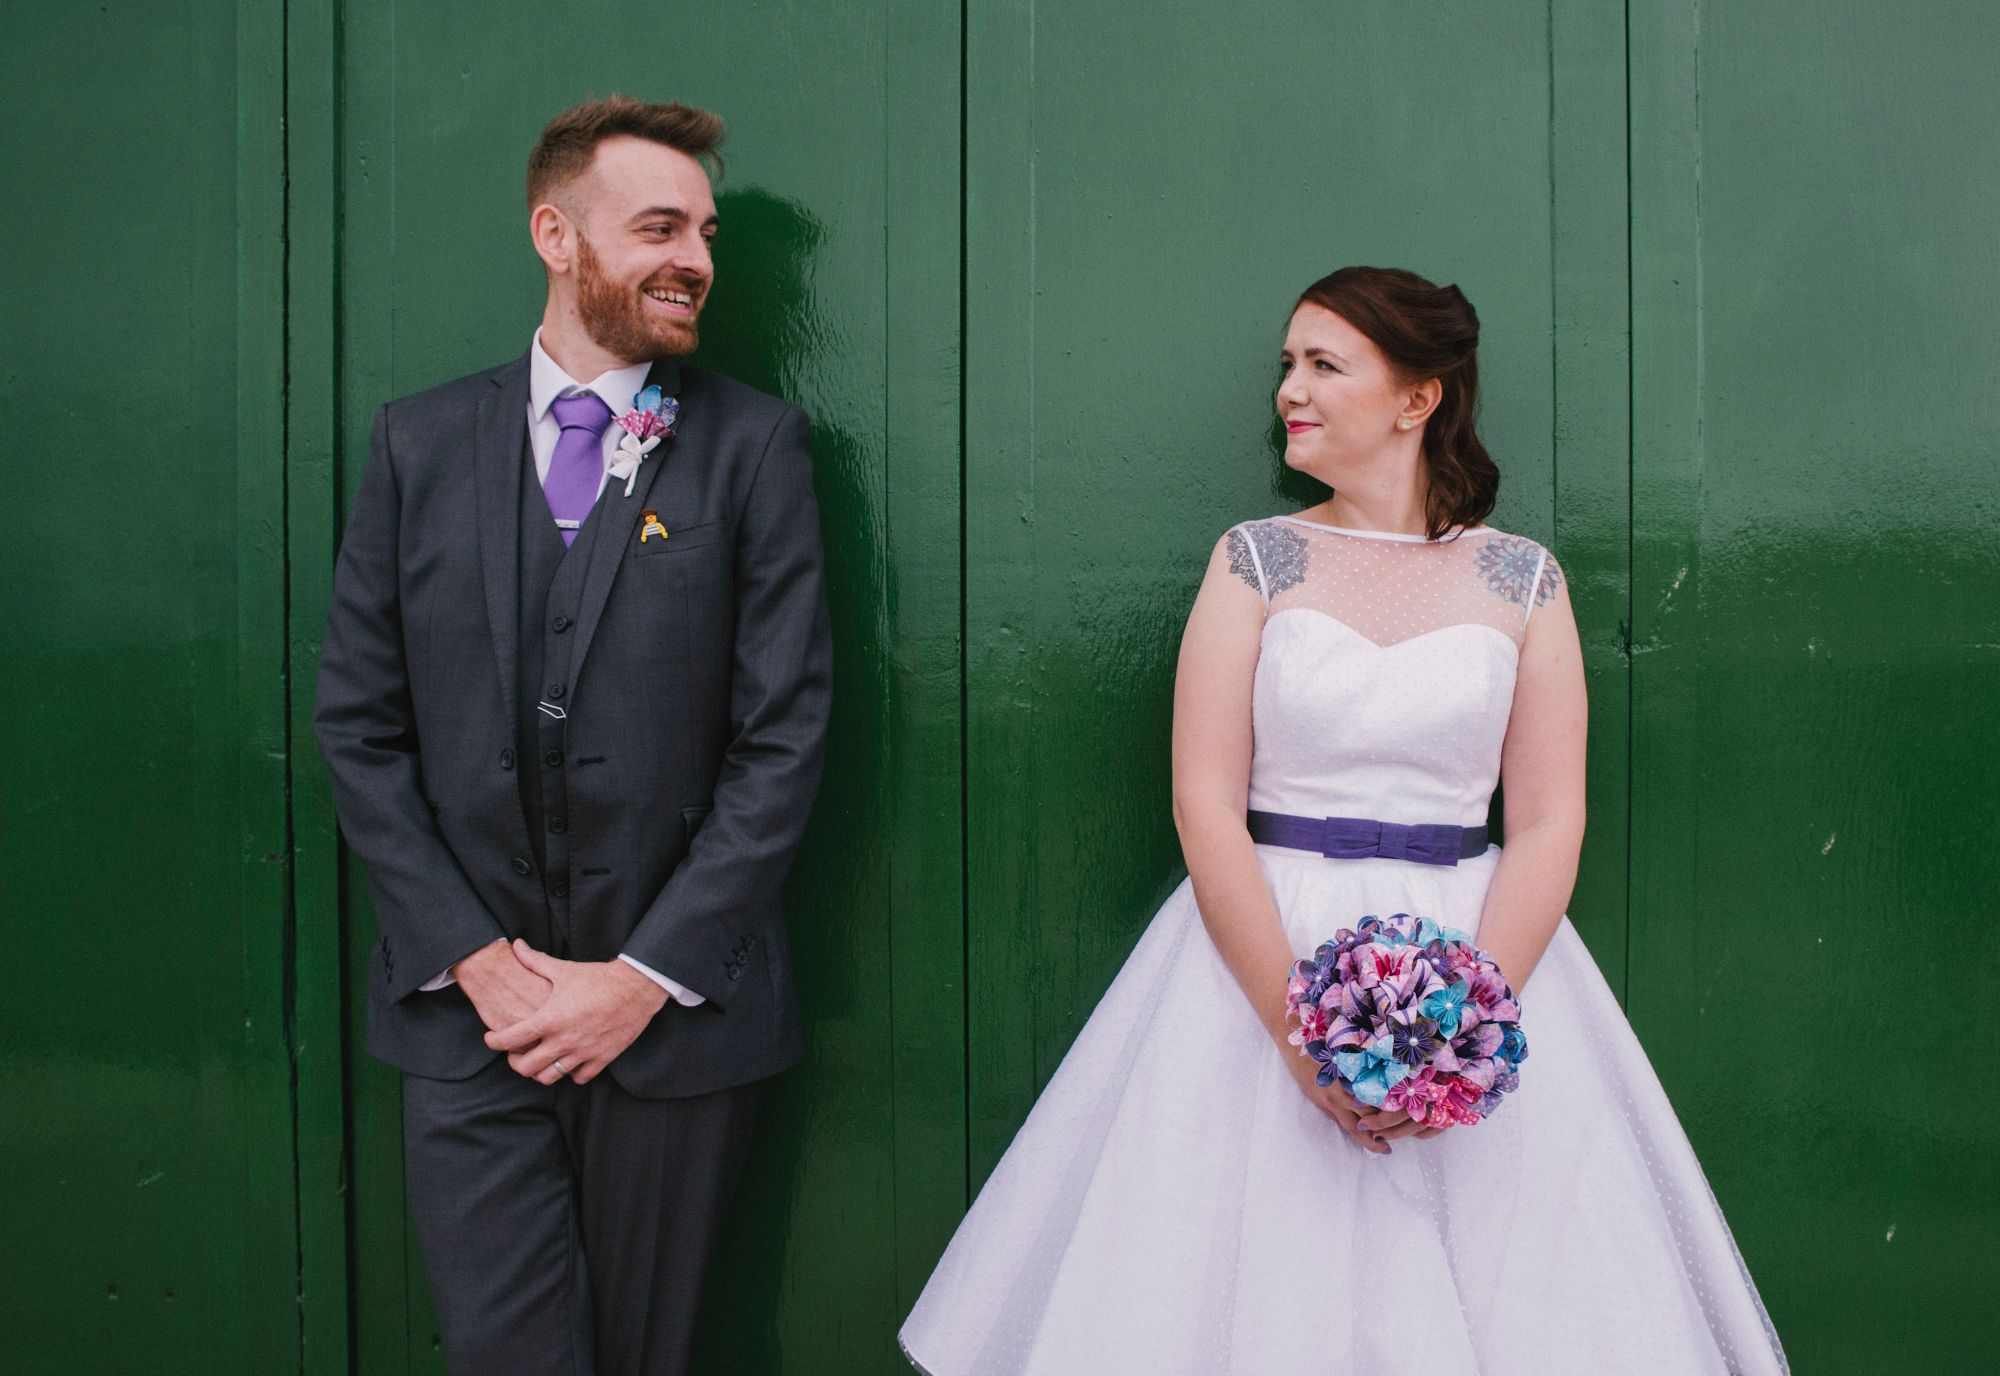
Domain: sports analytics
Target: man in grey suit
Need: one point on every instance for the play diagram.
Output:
(572, 697)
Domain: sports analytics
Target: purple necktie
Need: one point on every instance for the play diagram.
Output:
(576, 469)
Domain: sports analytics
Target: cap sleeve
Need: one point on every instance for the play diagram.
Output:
(1246, 561)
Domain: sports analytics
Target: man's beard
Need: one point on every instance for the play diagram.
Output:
(617, 319)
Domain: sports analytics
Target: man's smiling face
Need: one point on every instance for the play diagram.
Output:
(644, 216)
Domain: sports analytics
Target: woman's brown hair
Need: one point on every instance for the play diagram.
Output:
(1425, 331)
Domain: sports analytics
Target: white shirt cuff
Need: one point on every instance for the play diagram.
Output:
(677, 993)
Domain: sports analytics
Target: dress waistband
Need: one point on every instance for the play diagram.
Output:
(1359, 838)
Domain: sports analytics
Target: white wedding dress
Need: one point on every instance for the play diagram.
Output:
(1173, 1203)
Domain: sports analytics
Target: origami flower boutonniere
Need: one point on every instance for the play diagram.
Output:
(651, 419)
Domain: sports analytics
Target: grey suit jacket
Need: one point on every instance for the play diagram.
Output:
(696, 715)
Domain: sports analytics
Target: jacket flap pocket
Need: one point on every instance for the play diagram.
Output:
(658, 537)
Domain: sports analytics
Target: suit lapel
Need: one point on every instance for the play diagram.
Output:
(499, 440)
(619, 519)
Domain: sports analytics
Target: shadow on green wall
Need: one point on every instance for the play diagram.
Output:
(761, 326)
(764, 326)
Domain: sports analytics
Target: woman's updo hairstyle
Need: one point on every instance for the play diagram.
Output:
(1425, 331)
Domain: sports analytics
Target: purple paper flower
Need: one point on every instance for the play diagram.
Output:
(1504, 1083)
(1414, 1038)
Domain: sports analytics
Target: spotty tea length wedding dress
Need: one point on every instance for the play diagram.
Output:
(1173, 1204)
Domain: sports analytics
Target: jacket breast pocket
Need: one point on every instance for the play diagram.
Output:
(709, 536)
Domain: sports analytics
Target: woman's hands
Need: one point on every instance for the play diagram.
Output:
(1373, 1128)
(1332, 1100)
(1387, 1126)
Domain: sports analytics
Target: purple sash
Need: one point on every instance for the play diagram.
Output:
(1359, 838)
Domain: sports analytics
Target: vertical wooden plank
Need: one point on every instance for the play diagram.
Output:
(922, 100)
(311, 484)
(392, 1329)
(270, 1252)
(1592, 397)
(1666, 513)
(142, 790)
(1004, 970)
(1813, 307)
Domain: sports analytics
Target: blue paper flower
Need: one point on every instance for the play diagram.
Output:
(1445, 1006)
(1371, 1072)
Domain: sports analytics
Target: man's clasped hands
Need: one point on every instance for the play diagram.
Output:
(557, 1017)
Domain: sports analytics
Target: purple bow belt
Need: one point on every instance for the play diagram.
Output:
(1358, 838)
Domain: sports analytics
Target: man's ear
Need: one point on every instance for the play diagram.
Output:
(554, 236)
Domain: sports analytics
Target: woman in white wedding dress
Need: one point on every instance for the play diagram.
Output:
(1184, 1197)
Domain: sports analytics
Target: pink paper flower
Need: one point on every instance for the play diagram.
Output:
(643, 425)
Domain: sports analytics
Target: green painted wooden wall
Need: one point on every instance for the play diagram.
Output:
(1027, 267)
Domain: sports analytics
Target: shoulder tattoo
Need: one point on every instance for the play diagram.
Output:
(1507, 564)
(1240, 562)
(1280, 549)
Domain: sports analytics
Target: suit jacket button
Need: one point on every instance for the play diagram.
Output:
(522, 867)
(552, 758)
(507, 758)
(559, 889)
(558, 825)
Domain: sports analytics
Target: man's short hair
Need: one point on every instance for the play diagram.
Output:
(569, 143)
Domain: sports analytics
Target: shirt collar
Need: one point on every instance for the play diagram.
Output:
(547, 381)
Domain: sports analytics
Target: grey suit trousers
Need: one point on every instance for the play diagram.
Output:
(566, 1228)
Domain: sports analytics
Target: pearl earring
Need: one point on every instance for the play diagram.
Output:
(1403, 424)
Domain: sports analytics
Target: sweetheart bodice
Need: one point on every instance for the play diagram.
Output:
(1408, 732)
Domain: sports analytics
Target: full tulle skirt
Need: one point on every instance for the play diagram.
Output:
(1174, 1204)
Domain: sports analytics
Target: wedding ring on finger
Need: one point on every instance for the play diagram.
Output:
(561, 1069)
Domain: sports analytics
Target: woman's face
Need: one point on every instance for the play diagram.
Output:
(1339, 398)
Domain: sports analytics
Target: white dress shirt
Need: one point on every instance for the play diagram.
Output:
(616, 389)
